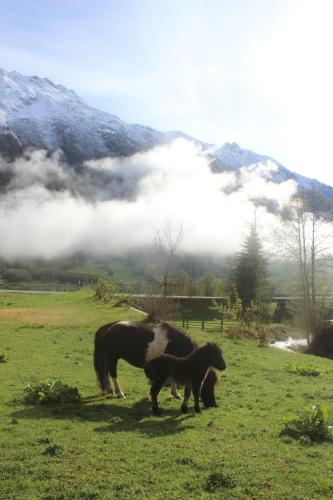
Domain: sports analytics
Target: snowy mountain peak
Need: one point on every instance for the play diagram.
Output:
(231, 155)
(37, 113)
(18, 91)
(42, 114)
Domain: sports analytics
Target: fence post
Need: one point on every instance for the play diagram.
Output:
(202, 324)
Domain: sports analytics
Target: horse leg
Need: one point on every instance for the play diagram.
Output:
(196, 386)
(154, 391)
(174, 391)
(119, 392)
(113, 373)
(187, 395)
(108, 387)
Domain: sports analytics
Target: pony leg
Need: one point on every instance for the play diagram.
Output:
(154, 391)
(108, 387)
(113, 373)
(174, 391)
(196, 386)
(119, 392)
(187, 395)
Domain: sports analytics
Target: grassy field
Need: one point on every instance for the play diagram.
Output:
(65, 277)
(107, 448)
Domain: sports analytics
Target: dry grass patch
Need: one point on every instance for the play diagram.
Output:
(35, 316)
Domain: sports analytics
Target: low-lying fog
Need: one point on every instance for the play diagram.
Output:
(110, 206)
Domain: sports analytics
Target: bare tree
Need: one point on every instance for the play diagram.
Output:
(161, 273)
(164, 250)
(304, 236)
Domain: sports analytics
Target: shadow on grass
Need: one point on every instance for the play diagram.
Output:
(113, 416)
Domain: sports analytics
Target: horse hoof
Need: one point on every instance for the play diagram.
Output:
(183, 409)
(197, 410)
(120, 395)
(157, 413)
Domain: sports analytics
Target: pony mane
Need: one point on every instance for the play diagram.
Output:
(180, 344)
(170, 327)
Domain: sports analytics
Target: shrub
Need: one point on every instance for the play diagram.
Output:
(313, 424)
(262, 334)
(306, 371)
(52, 391)
(53, 450)
(322, 343)
(218, 480)
(107, 290)
(3, 357)
(159, 308)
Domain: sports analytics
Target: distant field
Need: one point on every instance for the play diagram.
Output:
(116, 269)
(52, 286)
(67, 278)
(109, 448)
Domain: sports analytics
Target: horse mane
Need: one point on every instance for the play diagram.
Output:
(183, 344)
(177, 330)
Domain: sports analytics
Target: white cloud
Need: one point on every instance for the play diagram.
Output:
(174, 183)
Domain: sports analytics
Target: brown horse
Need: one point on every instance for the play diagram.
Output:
(190, 371)
(138, 344)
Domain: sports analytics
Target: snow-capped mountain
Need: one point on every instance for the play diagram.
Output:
(233, 157)
(35, 112)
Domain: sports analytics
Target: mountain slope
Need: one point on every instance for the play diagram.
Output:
(35, 112)
(233, 157)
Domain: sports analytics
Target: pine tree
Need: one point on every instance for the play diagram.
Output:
(249, 275)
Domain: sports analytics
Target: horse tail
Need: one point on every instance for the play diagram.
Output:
(207, 389)
(100, 358)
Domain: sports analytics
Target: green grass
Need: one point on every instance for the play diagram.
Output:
(66, 275)
(305, 370)
(41, 286)
(107, 448)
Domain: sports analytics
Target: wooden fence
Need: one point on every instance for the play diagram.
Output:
(204, 325)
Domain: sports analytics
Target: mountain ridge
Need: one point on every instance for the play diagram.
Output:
(37, 113)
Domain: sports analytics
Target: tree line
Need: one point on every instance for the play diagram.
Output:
(303, 237)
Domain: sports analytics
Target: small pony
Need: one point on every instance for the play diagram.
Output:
(190, 371)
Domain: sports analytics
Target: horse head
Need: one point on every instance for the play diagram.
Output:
(216, 356)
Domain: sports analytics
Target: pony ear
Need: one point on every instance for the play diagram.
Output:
(212, 344)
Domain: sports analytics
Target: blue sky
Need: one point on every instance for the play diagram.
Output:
(257, 72)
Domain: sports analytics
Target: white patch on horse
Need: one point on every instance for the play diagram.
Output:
(125, 323)
(157, 346)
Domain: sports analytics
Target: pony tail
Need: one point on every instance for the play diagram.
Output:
(207, 389)
(100, 363)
